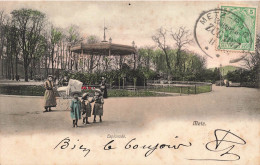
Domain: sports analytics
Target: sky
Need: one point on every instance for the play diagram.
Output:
(132, 21)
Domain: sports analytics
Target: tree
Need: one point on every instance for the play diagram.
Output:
(145, 56)
(181, 38)
(56, 36)
(252, 62)
(92, 39)
(29, 24)
(3, 22)
(253, 59)
(160, 40)
(73, 37)
(11, 49)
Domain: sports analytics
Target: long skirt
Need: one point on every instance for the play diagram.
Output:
(87, 112)
(105, 93)
(50, 99)
(75, 114)
(98, 109)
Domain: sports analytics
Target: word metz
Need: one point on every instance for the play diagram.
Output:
(199, 123)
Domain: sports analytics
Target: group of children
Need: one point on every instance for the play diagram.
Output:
(83, 107)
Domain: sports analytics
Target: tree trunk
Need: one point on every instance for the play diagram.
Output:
(57, 57)
(12, 67)
(91, 63)
(75, 57)
(167, 60)
(31, 70)
(62, 56)
(26, 71)
(120, 62)
(134, 61)
(16, 63)
(52, 60)
(71, 61)
(66, 60)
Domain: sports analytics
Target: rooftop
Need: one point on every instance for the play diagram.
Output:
(103, 48)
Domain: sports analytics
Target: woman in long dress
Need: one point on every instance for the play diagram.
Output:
(49, 95)
(103, 87)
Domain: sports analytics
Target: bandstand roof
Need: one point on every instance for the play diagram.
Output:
(103, 48)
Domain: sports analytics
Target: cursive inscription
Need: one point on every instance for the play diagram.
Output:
(223, 146)
(150, 148)
(65, 143)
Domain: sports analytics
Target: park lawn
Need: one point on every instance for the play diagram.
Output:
(25, 90)
(183, 90)
(39, 91)
(204, 89)
(127, 93)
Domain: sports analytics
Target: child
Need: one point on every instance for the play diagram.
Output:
(98, 106)
(75, 109)
(86, 107)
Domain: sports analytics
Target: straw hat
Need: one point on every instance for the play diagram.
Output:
(98, 91)
(76, 92)
(85, 95)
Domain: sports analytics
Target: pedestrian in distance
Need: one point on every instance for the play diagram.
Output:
(103, 87)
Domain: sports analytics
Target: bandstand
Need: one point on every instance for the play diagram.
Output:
(105, 49)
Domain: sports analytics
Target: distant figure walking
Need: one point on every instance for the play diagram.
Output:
(49, 95)
(103, 87)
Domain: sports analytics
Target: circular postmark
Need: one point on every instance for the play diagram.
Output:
(221, 31)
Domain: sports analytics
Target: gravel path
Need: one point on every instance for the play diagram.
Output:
(21, 114)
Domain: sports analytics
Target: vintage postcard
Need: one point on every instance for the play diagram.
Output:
(129, 82)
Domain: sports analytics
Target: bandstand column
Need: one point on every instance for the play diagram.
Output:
(83, 58)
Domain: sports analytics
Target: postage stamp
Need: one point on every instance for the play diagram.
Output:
(237, 28)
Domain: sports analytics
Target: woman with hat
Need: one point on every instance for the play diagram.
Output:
(103, 87)
(49, 95)
(86, 107)
(75, 108)
(98, 106)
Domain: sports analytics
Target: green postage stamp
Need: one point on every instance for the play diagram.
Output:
(237, 28)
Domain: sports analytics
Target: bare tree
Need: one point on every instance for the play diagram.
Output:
(182, 37)
(73, 37)
(252, 60)
(92, 39)
(160, 40)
